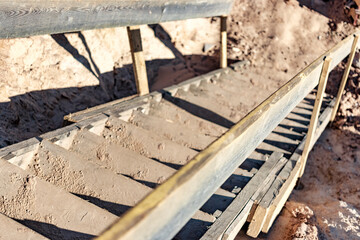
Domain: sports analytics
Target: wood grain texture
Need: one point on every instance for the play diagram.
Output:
(138, 59)
(259, 215)
(20, 18)
(233, 212)
(235, 227)
(223, 42)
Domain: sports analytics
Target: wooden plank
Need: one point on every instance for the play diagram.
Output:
(187, 190)
(74, 117)
(223, 42)
(121, 106)
(138, 60)
(259, 215)
(291, 172)
(262, 209)
(283, 195)
(344, 77)
(235, 227)
(264, 187)
(249, 193)
(23, 18)
(316, 111)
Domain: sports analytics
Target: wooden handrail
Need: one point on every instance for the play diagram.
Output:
(164, 211)
(22, 18)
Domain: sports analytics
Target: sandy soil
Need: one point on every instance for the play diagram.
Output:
(47, 77)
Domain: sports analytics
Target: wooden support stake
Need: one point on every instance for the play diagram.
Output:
(138, 60)
(344, 78)
(316, 111)
(223, 42)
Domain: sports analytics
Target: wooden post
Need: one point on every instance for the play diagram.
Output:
(223, 42)
(316, 111)
(138, 60)
(344, 78)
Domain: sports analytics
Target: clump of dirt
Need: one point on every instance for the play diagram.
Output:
(57, 171)
(304, 226)
(118, 134)
(23, 196)
(331, 188)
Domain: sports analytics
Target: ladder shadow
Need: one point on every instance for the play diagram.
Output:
(114, 208)
(53, 232)
(199, 111)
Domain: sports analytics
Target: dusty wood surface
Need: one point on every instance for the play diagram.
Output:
(22, 18)
(291, 173)
(223, 42)
(240, 202)
(138, 59)
(258, 218)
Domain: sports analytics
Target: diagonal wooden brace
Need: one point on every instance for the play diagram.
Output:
(316, 111)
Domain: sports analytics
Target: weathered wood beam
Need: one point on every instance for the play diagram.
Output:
(236, 213)
(345, 77)
(258, 217)
(22, 18)
(289, 175)
(138, 59)
(223, 42)
(187, 190)
(316, 112)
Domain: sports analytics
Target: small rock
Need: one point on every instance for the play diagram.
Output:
(161, 146)
(208, 46)
(356, 62)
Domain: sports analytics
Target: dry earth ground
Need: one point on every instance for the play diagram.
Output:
(46, 77)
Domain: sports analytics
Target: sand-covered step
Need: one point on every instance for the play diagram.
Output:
(242, 99)
(196, 226)
(100, 186)
(247, 80)
(168, 110)
(174, 132)
(11, 229)
(207, 107)
(104, 152)
(47, 209)
(147, 143)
